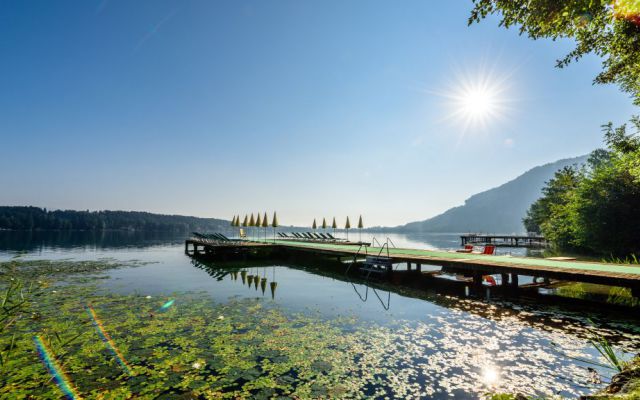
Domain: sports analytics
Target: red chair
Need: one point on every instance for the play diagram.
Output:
(490, 280)
(468, 248)
(489, 249)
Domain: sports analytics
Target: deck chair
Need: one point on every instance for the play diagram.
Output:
(224, 237)
(325, 237)
(334, 238)
(316, 236)
(488, 250)
(468, 248)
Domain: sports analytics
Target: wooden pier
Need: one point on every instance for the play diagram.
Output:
(471, 265)
(503, 240)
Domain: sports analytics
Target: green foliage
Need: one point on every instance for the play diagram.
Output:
(607, 28)
(196, 349)
(594, 209)
(605, 349)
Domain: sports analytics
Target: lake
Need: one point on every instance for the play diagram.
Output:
(397, 343)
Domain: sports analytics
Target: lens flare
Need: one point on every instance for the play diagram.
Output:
(166, 305)
(55, 370)
(108, 341)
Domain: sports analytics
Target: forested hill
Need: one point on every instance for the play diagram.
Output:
(497, 210)
(34, 218)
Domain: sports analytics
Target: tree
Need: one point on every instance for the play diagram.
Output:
(594, 209)
(608, 28)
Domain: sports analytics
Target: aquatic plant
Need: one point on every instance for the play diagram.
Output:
(608, 352)
(242, 348)
(631, 259)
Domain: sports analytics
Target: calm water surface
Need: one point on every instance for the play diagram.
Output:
(441, 346)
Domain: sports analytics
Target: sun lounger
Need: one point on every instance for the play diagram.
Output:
(468, 248)
(488, 250)
(334, 238)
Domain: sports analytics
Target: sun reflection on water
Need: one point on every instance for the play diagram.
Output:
(490, 375)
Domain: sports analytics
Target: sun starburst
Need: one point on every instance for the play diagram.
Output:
(475, 101)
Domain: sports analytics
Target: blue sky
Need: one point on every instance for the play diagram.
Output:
(310, 108)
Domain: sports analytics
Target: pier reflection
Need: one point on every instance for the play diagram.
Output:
(545, 309)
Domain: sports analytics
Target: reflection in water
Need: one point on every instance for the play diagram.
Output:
(490, 375)
(385, 304)
(452, 346)
(408, 343)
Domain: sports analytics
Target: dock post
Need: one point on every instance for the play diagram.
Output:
(514, 281)
(477, 280)
(504, 278)
(419, 267)
(408, 266)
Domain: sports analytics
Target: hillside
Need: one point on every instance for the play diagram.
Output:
(497, 210)
(35, 218)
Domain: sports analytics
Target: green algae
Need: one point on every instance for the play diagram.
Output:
(195, 349)
(242, 348)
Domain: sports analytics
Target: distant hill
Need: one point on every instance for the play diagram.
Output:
(497, 210)
(35, 218)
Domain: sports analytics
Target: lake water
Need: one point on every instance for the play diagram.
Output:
(434, 345)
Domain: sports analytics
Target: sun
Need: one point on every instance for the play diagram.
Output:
(476, 101)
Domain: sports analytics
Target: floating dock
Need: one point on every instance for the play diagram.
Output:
(503, 240)
(468, 264)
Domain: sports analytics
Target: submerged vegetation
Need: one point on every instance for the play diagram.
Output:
(61, 331)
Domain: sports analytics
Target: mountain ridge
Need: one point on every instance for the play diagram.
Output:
(497, 210)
